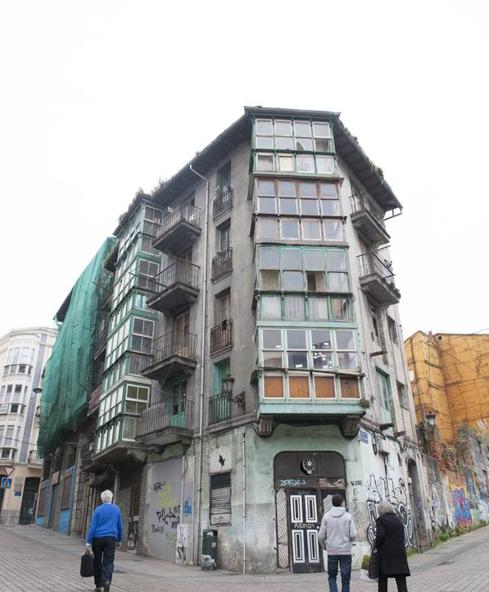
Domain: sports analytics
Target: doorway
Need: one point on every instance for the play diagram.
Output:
(29, 500)
(305, 483)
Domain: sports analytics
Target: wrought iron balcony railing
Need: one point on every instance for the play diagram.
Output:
(222, 336)
(94, 400)
(179, 271)
(222, 263)
(220, 406)
(190, 214)
(174, 343)
(172, 412)
(372, 264)
(360, 202)
(223, 202)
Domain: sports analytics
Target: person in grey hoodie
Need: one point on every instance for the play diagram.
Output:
(335, 535)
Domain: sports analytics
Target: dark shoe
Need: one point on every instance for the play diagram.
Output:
(99, 590)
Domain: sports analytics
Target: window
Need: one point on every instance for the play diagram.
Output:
(298, 135)
(392, 330)
(375, 333)
(224, 178)
(274, 386)
(384, 385)
(222, 307)
(403, 399)
(142, 334)
(220, 499)
(309, 349)
(222, 371)
(137, 399)
(224, 236)
(296, 196)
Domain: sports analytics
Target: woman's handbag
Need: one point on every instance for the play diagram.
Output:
(86, 566)
(373, 565)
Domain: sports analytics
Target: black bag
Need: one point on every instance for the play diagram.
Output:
(373, 565)
(86, 566)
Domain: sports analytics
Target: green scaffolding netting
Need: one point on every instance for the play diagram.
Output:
(68, 376)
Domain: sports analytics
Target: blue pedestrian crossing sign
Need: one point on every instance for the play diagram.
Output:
(6, 483)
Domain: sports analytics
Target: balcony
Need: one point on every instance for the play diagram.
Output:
(106, 296)
(222, 264)
(179, 229)
(176, 288)
(222, 336)
(368, 220)
(101, 344)
(377, 279)
(166, 421)
(171, 354)
(223, 202)
(221, 406)
(94, 400)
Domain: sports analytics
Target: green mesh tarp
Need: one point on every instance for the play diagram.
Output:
(68, 376)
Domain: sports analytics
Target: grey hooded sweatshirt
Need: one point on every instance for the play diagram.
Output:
(337, 531)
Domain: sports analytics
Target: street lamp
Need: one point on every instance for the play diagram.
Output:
(431, 419)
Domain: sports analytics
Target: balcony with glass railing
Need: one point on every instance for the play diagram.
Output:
(171, 354)
(166, 421)
(377, 279)
(368, 220)
(175, 288)
(179, 229)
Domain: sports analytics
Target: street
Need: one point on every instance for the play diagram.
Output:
(38, 560)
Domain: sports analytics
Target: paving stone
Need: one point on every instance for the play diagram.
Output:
(39, 560)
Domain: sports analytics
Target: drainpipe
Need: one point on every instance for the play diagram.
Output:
(203, 344)
(244, 499)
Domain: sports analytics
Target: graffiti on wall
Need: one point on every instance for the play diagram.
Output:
(460, 505)
(380, 489)
(182, 543)
(164, 510)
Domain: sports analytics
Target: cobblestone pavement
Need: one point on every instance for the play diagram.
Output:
(38, 560)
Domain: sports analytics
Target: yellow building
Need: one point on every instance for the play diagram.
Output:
(450, 378)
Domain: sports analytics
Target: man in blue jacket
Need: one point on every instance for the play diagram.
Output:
(104, 535)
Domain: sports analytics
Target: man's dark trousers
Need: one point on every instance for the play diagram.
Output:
(103, 560)
(345, 568)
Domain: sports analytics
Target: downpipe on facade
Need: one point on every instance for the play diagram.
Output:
(196, 536)
(244, 498)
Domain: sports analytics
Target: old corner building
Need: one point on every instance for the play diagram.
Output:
(245, 356)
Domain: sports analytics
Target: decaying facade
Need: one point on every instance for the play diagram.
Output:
(451, 393)
(252, 356)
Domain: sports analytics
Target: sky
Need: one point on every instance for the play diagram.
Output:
(101, 98)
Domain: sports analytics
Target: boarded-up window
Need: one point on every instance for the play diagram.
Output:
(274, 386)
(41, 507)
(220, 499)
(65, 496)
(324, 387)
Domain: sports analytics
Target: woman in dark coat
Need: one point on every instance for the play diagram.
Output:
(391, 549)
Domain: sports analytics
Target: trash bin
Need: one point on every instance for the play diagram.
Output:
(208, 559)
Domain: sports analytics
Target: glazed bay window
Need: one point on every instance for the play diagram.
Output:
(297, 135)
(300, 269)
(309, 349)
(299, 229)
(311, 164)
(294, 197)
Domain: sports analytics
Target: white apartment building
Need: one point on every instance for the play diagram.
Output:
(23, 354)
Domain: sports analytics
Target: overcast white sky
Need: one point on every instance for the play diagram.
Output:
(99, 98)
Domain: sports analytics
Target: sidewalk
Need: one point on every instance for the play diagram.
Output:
(39, 560)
